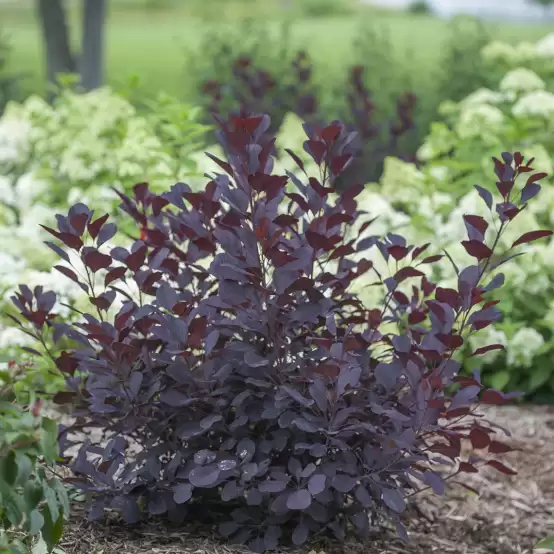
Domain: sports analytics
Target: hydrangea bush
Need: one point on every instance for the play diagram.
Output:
(76, 150)
(244, 382)
(454, 157)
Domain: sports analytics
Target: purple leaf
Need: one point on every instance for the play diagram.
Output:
(394, 500)
(299, 500)
(316, 484)
(204, 476)
(182, 493)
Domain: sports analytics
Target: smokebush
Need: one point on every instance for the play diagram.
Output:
(243, 380)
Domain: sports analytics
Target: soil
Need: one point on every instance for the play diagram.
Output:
(509, 516)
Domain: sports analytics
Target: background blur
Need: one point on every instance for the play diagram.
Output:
(163, 41)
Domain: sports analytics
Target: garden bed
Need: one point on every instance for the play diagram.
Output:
(510, 516)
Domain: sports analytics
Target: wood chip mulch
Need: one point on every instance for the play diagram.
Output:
(511, 514)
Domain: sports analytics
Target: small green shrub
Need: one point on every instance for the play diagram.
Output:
(462, 68)
(33, 501)
(323, 8)
(420, 7)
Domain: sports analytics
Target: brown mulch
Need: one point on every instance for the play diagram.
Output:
(511, 514)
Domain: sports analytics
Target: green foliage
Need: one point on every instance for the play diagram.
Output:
(8, 80)
(462, 68)
(516, 115)
(213, 60)
(322, 8)
(419, 7)
(33, 501)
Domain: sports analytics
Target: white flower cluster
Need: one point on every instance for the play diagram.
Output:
(520, 53)
(76, 150)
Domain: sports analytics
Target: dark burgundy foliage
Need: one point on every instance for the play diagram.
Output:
(252, 90)
(246, 382)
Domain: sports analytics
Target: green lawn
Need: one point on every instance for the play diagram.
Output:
(152, 44)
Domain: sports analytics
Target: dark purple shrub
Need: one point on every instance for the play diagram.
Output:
(256, 389)
(251, 90)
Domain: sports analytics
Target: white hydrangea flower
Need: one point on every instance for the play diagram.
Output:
(439, 141)
(11, 338)
(545, 47)
(28, 188)
(7, 191)
(479, 119)
(520, 80)
(525, 52)
(401, 181)
(549, 317)
(377, 205)
(483, 96)
(14, 139)
(497, 51)
(439, 173)
(523, 346)
(537, 103)
(9, 266)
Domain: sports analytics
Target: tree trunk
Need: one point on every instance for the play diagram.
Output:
(55, 33)
(91, 64)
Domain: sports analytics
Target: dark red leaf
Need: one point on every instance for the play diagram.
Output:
(531, 236)
(319, 188)
(432, 259)
(338, 163)
(51, 231)
(398, 252)
(95, 226)
(501, 467)
(494, 397)
(329, 370)
(330, 133)
(68, 273)
(114, 275)
(536, 177)
(447, 296)
(338, 219)
(73, 241)
(300, 200)
(477, 222)
(285, 220)
(467, 468)
(66, 363)
(317, 241)
(488, 348)
(419, 250)
(479, 439)
(407, 272)
(450, 341)
(79, 222)
(416, 316)
(135, 260)
(96, 260)
(401, 298)
(296, 159)
(316, 149)
(477, 249)
(341, 251)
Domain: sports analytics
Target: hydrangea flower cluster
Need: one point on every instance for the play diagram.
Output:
(456, 155)
(76, 150)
